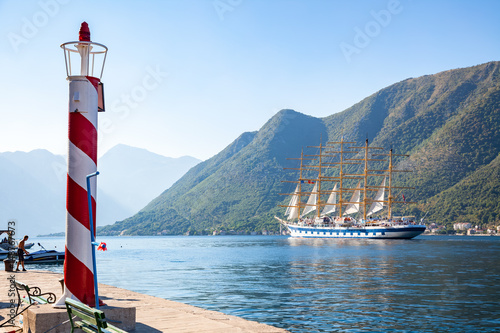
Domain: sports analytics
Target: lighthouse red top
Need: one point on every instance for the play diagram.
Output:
(84, 32)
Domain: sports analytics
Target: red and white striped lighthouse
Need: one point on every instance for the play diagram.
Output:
(85, 95)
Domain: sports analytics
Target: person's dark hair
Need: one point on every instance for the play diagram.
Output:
(26, 237)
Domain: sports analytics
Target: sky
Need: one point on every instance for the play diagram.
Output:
(187, 77)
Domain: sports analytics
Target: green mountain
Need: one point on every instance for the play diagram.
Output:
(448, 122)
(473, 199)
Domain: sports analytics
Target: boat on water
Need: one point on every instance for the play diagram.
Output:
(42, 256)
(8, 242)
(5, 245)
(350, 207)
(3, 254)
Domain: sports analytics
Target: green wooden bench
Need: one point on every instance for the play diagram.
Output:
(93, 320)
(35, 295)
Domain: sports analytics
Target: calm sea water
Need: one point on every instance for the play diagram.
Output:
(428, 284)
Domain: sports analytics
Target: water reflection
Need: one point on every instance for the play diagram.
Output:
(429, 284)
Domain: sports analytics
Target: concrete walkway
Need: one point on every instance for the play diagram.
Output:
(153, 314)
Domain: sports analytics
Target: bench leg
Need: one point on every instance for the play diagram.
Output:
(12, 318)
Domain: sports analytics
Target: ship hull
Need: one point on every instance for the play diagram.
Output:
(375, 232)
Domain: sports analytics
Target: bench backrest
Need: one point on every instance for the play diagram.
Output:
(24, 286)
(94, 316)
(34, 294)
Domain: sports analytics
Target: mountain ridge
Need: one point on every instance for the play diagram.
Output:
(34, 186)
(449, 122)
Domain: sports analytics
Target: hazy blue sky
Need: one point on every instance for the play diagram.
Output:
(187, 77)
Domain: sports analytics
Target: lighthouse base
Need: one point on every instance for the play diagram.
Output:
(41, 318)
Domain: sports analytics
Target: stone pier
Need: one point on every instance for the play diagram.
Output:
(152, 314)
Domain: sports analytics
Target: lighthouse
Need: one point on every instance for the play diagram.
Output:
(84, 66)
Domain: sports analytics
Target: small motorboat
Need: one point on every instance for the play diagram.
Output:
(3, 254)
(44, 256)
(6, 246)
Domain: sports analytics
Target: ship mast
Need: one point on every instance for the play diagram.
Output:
(365, 174)
(300, 181)
(318, 201)
(342, 161)
(390, 197)
(365, 182)
(320, 176)
(341, 174)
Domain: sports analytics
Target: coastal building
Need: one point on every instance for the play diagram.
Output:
(434, 228)
(475, 231)
(461, 226)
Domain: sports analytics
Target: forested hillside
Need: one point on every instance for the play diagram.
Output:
(448, 122)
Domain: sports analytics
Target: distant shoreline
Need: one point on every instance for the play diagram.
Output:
(62, 234)
(481, 235)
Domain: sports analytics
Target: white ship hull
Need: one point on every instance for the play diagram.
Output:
(377, 232)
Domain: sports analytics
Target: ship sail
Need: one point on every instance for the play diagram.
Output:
(311, 203)
(353, 207)
(330, 203)
(378, 206)
(292, 211)
(324, 224)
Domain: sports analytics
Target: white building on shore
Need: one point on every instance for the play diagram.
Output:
(461, 226)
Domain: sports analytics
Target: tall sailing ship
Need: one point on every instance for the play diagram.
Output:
(348, 212)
